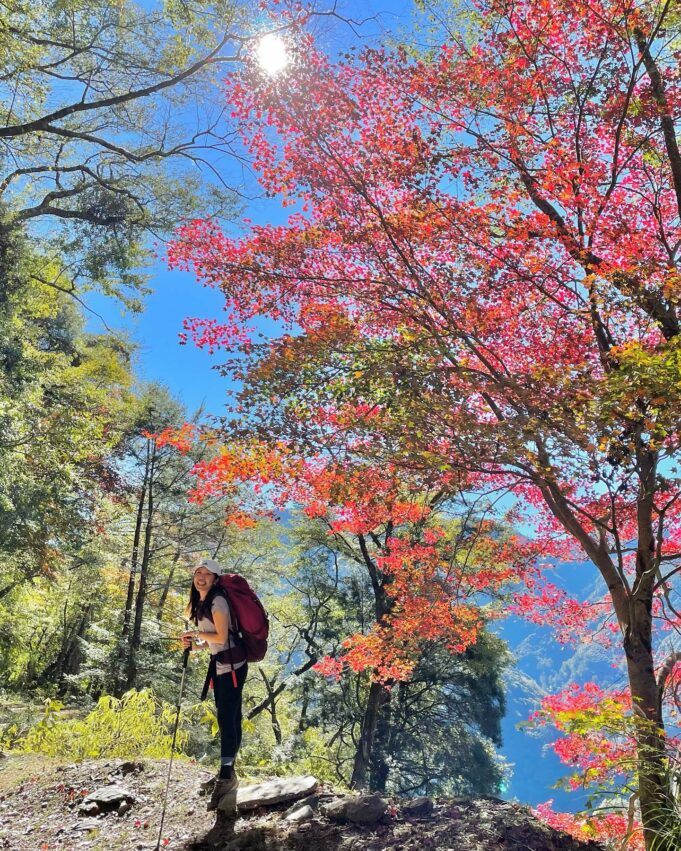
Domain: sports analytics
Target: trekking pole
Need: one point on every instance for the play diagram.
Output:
(185, 660)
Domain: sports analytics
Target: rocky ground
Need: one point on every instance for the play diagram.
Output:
(116, 806)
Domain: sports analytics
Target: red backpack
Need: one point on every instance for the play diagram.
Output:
(250, 623)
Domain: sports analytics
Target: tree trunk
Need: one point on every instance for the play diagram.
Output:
(633, 607)
(653, 773)
(136, 637)
(171, 574)
(69, 657)
(379, 766)
(304, 704)
(370, 766)
(365, 756)
(657, 812)
(134, 556)
(122, 660)
(72, 657)
(276, 727)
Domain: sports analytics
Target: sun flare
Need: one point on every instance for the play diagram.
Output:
(272, 54)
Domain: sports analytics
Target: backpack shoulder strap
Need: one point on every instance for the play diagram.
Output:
(221, 591)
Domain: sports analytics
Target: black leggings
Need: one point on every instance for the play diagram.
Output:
(228, 703)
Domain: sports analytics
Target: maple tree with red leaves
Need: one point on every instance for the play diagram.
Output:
(426, 556)
(479, 286)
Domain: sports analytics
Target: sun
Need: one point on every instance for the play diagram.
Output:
(272, 54)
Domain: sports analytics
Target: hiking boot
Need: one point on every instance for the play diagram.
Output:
(224, 795)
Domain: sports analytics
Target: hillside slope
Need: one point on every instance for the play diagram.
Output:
(45, 805)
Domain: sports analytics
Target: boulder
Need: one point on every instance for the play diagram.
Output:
(365, 809)
(276, 791)
(300, 814)
(105, 799)
(418, 807)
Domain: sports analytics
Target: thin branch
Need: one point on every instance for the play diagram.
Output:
(45, 121)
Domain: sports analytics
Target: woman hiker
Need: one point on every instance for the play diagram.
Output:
(209, 610)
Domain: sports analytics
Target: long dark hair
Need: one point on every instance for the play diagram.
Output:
(196, 607)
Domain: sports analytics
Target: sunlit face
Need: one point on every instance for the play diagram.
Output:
(204, 580)
(272, 55)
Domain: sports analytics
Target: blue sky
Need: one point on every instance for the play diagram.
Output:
(190, 375)
(545, 667)
(188, 372)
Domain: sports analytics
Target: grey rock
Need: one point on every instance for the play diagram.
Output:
(87, 824)
(418, 807)
(106, 798)
(91, 808)
(311, 801)
(275, 791)
(366, 809)
(300, 814)
(124, 807)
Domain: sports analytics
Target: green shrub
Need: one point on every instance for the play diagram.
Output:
(136, 725)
